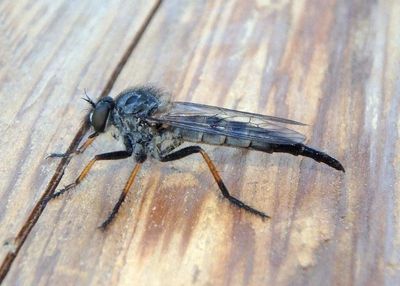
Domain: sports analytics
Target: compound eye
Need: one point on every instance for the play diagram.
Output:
(99, 116)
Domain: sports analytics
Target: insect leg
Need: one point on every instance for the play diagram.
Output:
(105, 156)
(122, 196)
(80, 150)
(197, 149)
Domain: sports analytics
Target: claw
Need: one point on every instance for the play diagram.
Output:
(52, 196)
(103, 226)
(60, 192)
(46, 200)
(58, 155)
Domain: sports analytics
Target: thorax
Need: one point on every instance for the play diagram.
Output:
(137, 129)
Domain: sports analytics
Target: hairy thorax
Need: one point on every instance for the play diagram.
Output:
(146, 139)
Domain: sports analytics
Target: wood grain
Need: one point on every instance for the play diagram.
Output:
(331, 64)
(49, 53)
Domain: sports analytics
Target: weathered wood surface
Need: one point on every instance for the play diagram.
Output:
(331, 64)
(49, 52)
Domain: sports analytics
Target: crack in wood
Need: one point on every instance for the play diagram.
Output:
(55, 180)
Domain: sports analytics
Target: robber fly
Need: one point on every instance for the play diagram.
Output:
(150, 125)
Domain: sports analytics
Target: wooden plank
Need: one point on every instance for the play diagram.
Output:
(51, 51)
(331, 64)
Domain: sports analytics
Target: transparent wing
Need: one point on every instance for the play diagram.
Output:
(228, 122)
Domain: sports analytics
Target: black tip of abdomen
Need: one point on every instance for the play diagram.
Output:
(336, 164)
(321, 157)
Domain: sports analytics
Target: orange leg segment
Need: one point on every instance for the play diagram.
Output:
(197, 149)
(125, 191)
(105, 156)
(80, 150)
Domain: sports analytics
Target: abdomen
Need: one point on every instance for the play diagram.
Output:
(221, 140)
